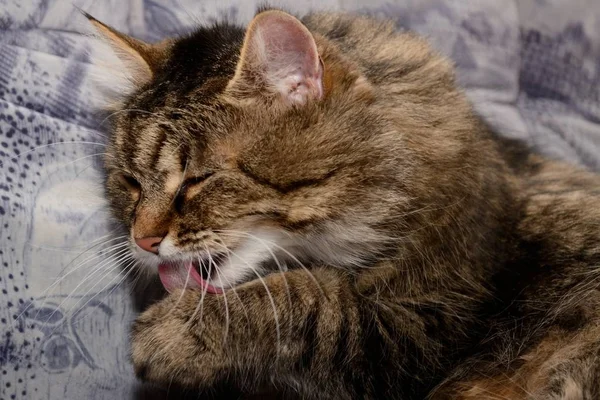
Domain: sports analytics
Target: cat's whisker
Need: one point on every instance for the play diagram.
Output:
(106, 269)
(263, 241)
(54, 249)
(66, 249)
(108, 238)
(173, 375)
(200, 305)
(130, 267)
(204, 292)
(212, 263)
(127, 271)
(185, 285)
(232, 287)
(59, 143)
(112, 247)
(186, 161)
(17, 156)
(138, 275)
(123, 111)
(97, 132)
(56, 282)
(116, 267)
(118, 249)
(281, 269)
(102, 267)
(53, 171)
(118, 257)
(82, 170)
(226, 328)
(283, 276)
(271, 299)
(73, 270)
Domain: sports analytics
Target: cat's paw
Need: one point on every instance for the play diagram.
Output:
(169, 346)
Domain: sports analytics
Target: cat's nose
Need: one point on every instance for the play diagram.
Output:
(149, 244)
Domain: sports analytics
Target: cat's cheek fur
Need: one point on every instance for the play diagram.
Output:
(245, 262)
(347, 242)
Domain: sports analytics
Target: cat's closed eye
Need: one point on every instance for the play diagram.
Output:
(286, 186)
(132, 185)
(130, 182)
(186, 189)
(196, 180)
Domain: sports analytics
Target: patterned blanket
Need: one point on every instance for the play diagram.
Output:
(531, 67)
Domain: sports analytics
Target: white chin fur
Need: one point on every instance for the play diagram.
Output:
(244, 263)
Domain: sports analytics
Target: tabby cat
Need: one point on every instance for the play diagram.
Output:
(333, 221)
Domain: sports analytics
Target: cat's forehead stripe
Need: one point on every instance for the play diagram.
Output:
(149, 147)
(168, 159)
(127, 139)
(172, 182)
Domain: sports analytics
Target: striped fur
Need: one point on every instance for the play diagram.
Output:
(420, 255)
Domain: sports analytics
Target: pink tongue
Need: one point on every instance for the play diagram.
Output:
(182, 276)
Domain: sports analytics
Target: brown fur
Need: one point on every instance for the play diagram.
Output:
(436, 254)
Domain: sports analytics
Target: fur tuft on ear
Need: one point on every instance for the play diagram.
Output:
(124, 63)
(279, 58)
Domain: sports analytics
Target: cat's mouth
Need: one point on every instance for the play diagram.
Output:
(190, 275)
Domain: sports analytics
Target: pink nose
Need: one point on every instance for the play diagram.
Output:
(149, 243)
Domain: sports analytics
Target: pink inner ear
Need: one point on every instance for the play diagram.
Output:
(284, 52)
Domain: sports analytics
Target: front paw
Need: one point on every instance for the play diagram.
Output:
(170, 346)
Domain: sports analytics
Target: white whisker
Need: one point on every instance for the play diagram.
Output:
(187, 280)
(61, 278)
(294, 258)
(226, 328)
(275, 315)
(57, 143)
(108, 270)
(128, 269)
(122, 111)
(200, 305)
(101, 267)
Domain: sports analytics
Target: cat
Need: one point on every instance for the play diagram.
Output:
(333, 220)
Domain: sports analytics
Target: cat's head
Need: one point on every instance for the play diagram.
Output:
(242, 152)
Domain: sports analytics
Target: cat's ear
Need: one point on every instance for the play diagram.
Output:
(136, 60)
(279, 58)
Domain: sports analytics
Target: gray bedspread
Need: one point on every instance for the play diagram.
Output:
(531, 67)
